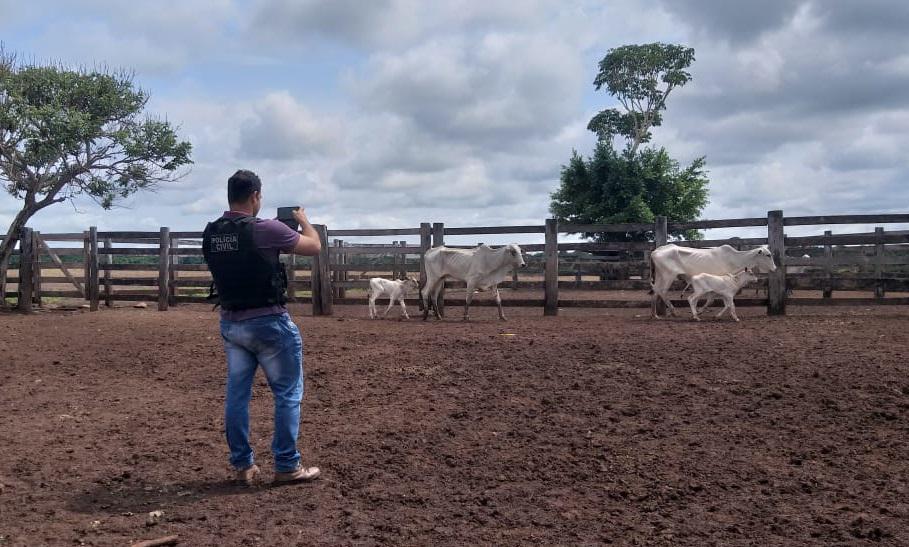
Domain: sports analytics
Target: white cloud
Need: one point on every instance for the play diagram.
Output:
(280, 128)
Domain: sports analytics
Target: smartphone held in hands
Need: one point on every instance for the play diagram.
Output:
(286, 215)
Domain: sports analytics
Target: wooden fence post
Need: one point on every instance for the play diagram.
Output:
(163, 268)
(172, 274)
(776, 280)
(26, 270)
(108, 285)
(438, 239)
(425, 245)
(36, 253)
(879, 262)
(403, 261)
(551, 275)
(514, 279)
(86, 252)
(660, 238)
(321, 275)
(828, 266)
(338, 275)
(93, 268)
(290, 266)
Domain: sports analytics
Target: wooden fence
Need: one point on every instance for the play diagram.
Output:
(166, 267)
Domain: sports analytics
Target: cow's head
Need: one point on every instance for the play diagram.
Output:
(410, 282)
(763, 259)
(746, 276)
(514, 256)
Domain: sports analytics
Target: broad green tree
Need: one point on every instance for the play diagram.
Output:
(67, 133)
(613, 188)
(634, 184)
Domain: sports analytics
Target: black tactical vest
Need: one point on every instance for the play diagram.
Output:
(244, 276)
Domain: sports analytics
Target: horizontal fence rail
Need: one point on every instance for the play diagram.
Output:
(166, 266)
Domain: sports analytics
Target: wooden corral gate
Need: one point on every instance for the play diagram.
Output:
(166, 266)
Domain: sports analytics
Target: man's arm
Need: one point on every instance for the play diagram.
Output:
(309, 243)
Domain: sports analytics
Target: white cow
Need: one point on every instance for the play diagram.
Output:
(722, 286)
(667, 262)
(481, 268)
(395, 289)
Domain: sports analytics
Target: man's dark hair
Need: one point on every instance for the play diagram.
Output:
(241, 185)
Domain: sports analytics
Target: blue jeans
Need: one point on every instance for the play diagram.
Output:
(274, 342)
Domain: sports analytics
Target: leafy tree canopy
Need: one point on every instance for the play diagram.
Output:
(67, 133)
(611, 188)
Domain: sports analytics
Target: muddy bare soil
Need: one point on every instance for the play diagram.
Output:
(591, 428)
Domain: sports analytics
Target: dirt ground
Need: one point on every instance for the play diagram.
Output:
(591, 428)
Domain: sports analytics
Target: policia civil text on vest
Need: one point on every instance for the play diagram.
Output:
(244, 276)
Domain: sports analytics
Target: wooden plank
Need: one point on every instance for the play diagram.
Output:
(86, 253)
(805, 282)
(140, 281)
(46, 280)
(73, 236)
(187, 282)
(438, 240)
(776, 284)
(172, 272)
(551, 278)
(184, 235)
(36, 252)
(610, 246)
(143, 267)
(720, 223)
(878, 262)
(681, 304)
(380, 267)
(378, 250)
(336, 274)
(92, 272)
(62, 267)
(61, 294)
(322, 297)
(847, 219)
(291, 272)
(151, 251)
(425, 245)
(178, 267)
(186, 251)
(848, 239)
(848, 260)
(828, 266)
(735, 242)
(26, 289)
(130, 235)
(476, 230)
(900, 301)
(370, 232)
(163, 268)
(506, 302)
(108, 260)
(610, 228)
(660, 238)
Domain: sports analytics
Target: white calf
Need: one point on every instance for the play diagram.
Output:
(395, 289)
(723, 286)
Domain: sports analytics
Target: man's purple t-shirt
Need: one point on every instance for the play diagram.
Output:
(272, 236)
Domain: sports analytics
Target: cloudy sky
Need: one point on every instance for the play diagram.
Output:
(386, 113)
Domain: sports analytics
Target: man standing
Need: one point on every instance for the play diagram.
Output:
(242, 254)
